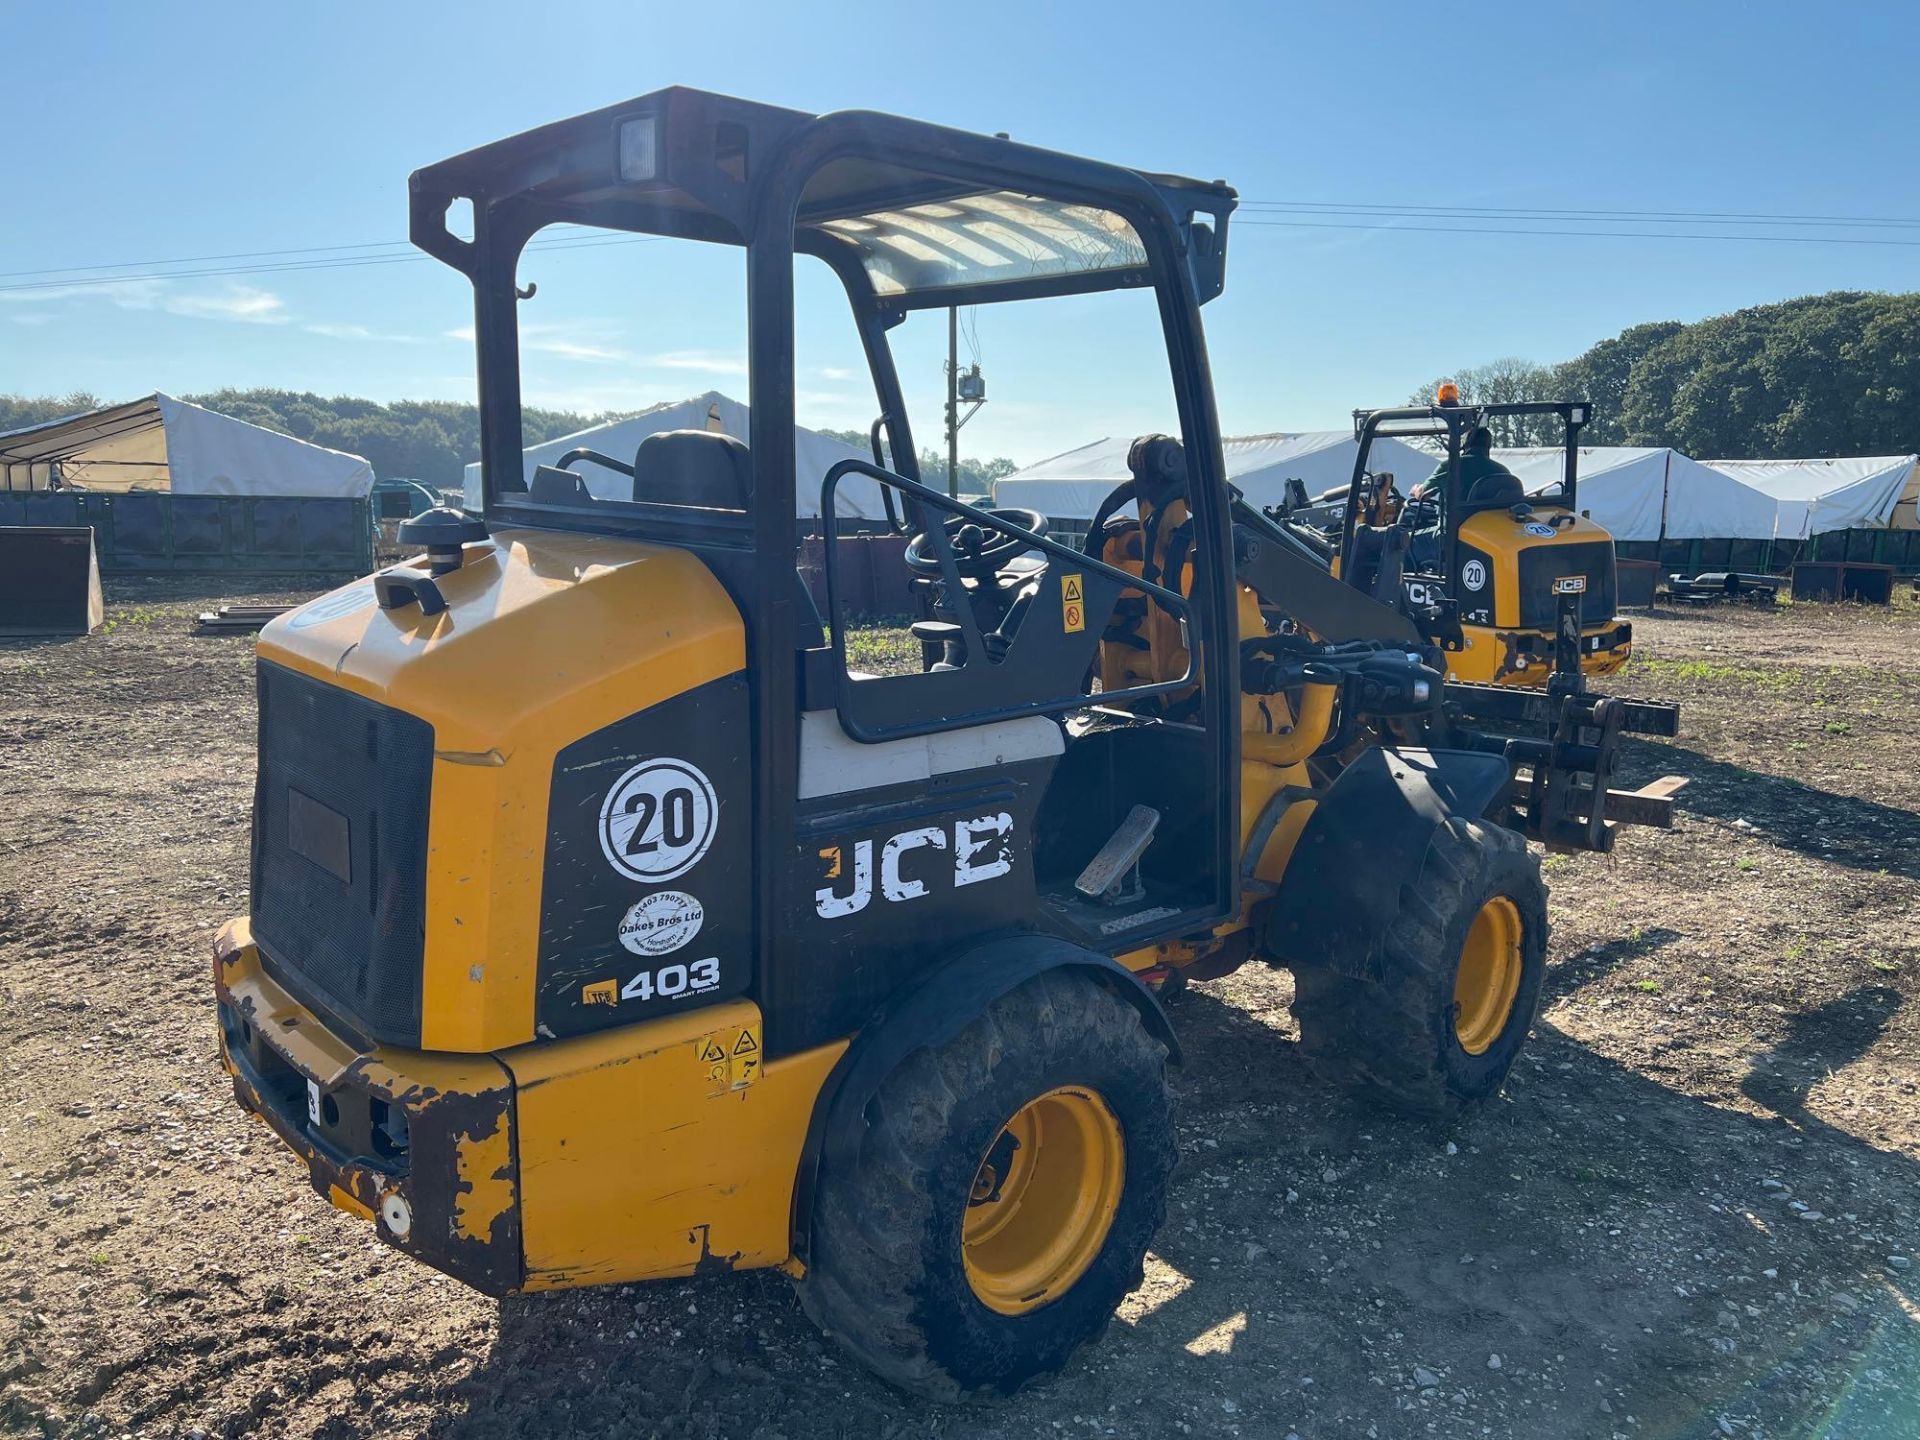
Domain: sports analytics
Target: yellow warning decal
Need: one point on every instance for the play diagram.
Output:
(1073, 610)
(743, 1065)
(731, 1058)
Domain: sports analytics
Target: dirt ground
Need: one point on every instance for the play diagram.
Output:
(1692, 1215)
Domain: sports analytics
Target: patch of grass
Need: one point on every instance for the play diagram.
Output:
(1837, 727)
(1797, 949)
(1746, 864)
(1885, 967)
(882, 650)
(1647, 987)
(1772, 677)
(1556, 862)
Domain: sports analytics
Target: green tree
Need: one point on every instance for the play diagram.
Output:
(1824, 375)
(1505, 381)
(20, 411)
(1603, 373)
(974, 476)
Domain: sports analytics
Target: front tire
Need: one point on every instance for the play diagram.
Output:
(1003, 1196)
(1459, 987)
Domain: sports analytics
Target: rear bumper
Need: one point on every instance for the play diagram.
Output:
(421, 1145)
(1525, 657)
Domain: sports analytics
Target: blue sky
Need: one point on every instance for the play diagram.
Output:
(178, 132)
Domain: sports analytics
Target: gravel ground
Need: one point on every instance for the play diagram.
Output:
(1692, 1215)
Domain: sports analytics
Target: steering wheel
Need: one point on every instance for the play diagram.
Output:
(978, 553)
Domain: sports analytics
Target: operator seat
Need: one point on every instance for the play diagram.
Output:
(715, 472)
(693, 467)
(1495, 490)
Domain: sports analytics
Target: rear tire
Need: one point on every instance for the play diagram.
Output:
(1459, 987)
(901, 1270)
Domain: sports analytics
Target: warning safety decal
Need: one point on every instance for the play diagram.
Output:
(1073, 604)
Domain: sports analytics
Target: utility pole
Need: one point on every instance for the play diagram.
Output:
(970, 388)
(953, 401)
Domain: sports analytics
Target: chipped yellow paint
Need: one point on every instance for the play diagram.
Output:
(486, 1182)
(547, 637)
(633, 1168)
(341, 1200)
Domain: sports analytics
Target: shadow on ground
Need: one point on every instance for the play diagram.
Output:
(1609, 1238)
(1860, 834)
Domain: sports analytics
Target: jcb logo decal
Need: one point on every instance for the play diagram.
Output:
(982, 849)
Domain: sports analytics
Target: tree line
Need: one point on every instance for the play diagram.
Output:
(428, 440)
(1824, 375)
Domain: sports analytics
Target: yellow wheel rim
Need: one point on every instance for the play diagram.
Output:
(1043, 1200)
(1489, 975)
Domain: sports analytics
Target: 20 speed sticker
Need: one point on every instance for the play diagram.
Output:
(658, 820)
(662, 922)
(1473, 575)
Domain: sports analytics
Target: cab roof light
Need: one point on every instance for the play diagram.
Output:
(1447, 394)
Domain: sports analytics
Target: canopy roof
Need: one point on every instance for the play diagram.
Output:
(814, 454)
(1070, 486)
(887, 191)
(160, 443)
(1629, 488)
(1850, 493)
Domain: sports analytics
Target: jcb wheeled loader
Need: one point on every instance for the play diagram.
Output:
(1489, 572)
(607, 925)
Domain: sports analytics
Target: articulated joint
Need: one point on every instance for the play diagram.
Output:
(1319, 685)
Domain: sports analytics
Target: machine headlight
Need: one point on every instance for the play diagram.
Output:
(640, 148)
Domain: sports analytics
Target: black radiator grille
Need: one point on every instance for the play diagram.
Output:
(1541, 565)
(340, 851)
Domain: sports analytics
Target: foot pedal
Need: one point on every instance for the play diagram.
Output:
(1110, 875)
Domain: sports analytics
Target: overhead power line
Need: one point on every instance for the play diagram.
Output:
(1279, 214)
(1705, 217)
(408, 257)
(1578, 234)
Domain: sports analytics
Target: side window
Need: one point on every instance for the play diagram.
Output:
(996, 602)
(633, 392)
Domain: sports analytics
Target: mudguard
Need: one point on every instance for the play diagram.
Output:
(1367, 838)
(931, 1012)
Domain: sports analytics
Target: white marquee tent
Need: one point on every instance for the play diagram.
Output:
(1070, 486)
(814, 454)
(167, 445)
(1650, 493)
(1858, 492)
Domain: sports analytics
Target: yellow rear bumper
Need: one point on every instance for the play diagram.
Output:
(652, 1150)
(1525, 657)
(422, 1145)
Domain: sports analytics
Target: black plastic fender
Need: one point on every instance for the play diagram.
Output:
(1367, 838)
(931, 1012)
